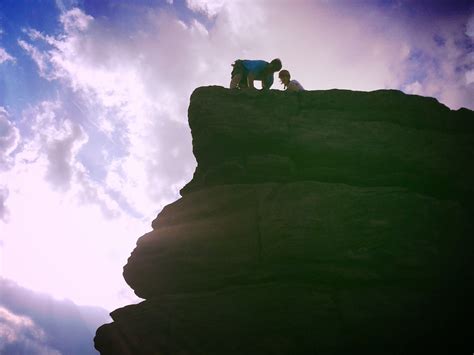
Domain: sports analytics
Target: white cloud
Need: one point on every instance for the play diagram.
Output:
(138, 89)
(9, 138)
(38, 57)
(75, 20)
(5, 57)
(443, 69)
(54, 138)
(52, 146)
(209, 7)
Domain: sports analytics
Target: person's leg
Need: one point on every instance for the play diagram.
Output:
(234, 82)
(238, 76)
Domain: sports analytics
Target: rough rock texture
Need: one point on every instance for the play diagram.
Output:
(321, 222)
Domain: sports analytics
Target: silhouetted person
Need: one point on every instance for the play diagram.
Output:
(290, 85)
(245, 72)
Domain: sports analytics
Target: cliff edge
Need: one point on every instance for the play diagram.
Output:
(319, 222)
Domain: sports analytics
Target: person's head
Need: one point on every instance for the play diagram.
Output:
(275, 65)
(284, 76)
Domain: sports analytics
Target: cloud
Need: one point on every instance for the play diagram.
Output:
(54, 207)
(19, 334)
(4, 212)
(9, 138)
(64, 5)
(39, 58)
(52, 142)
(470, 34)
(68, 245)
(32, 323)
(140, 101)
(61, 140)
(60, 154)
(209, 7)
(442, 69)
(75, 20)
(5, 57)
(470, 26)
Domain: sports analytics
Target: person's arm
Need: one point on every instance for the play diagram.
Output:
(267, 82)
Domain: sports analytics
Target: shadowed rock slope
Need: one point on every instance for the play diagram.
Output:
(321, 222)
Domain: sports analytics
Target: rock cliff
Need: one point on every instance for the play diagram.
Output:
(321, 222)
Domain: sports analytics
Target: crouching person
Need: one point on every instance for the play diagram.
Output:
(245, 72)
(290, 85)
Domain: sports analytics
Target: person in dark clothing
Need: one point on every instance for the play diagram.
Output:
(245, 72)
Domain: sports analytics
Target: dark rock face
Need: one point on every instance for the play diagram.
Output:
(321, 222)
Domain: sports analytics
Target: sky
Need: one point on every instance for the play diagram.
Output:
(37, 324)
(94, 139)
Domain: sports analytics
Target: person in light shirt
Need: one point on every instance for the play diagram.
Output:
(290, 85)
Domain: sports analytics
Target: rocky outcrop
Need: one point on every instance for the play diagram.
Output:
(320, 222)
